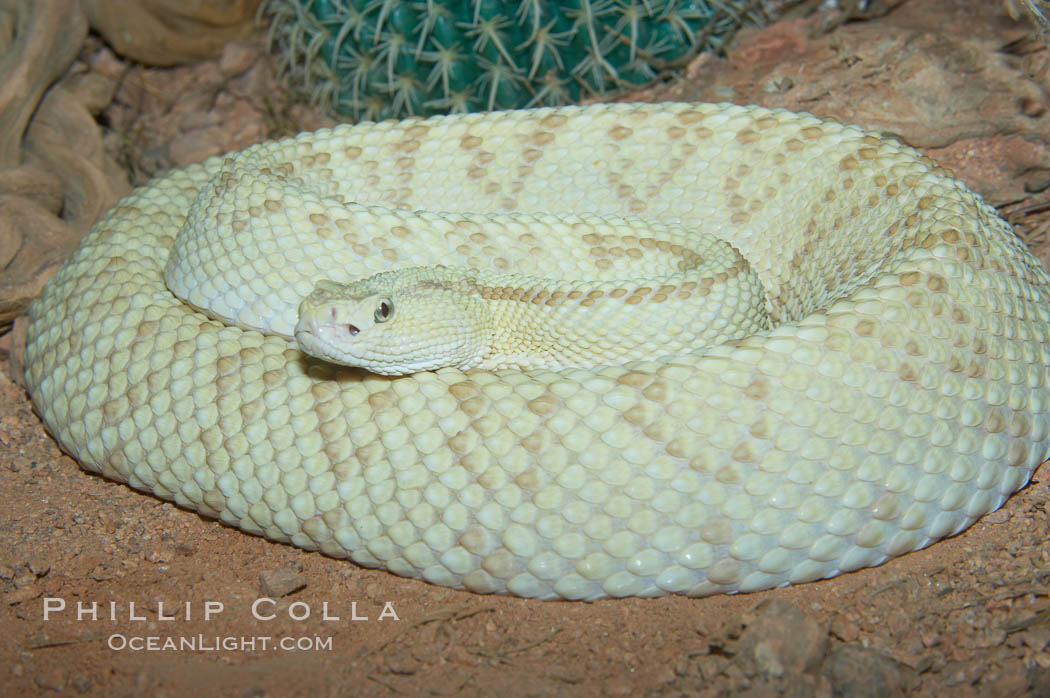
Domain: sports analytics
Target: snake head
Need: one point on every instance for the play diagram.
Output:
(396, 323)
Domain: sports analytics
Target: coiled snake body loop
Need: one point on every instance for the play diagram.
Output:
(900, 394)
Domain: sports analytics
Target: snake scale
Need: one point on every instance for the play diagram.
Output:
(899, 393)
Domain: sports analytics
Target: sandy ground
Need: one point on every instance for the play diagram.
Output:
(969, 616)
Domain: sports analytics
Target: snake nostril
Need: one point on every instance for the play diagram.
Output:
(352, 329)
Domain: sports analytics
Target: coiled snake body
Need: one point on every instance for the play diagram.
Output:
(900, 394)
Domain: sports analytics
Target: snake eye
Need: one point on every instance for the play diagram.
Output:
(384, 310)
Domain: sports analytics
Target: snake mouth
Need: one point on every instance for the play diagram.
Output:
(326, 340)
(327, 327)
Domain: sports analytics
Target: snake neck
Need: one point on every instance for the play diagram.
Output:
(526, 336)
(523, 319)
(533, 323)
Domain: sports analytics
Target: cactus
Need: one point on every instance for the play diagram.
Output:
(373, 59)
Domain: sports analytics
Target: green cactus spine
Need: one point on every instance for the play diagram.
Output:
(372, 59)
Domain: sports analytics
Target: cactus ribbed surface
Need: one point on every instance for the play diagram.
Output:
(372, 59)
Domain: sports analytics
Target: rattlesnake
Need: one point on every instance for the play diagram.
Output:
(900, 392)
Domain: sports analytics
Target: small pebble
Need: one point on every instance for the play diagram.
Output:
(280, 582)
